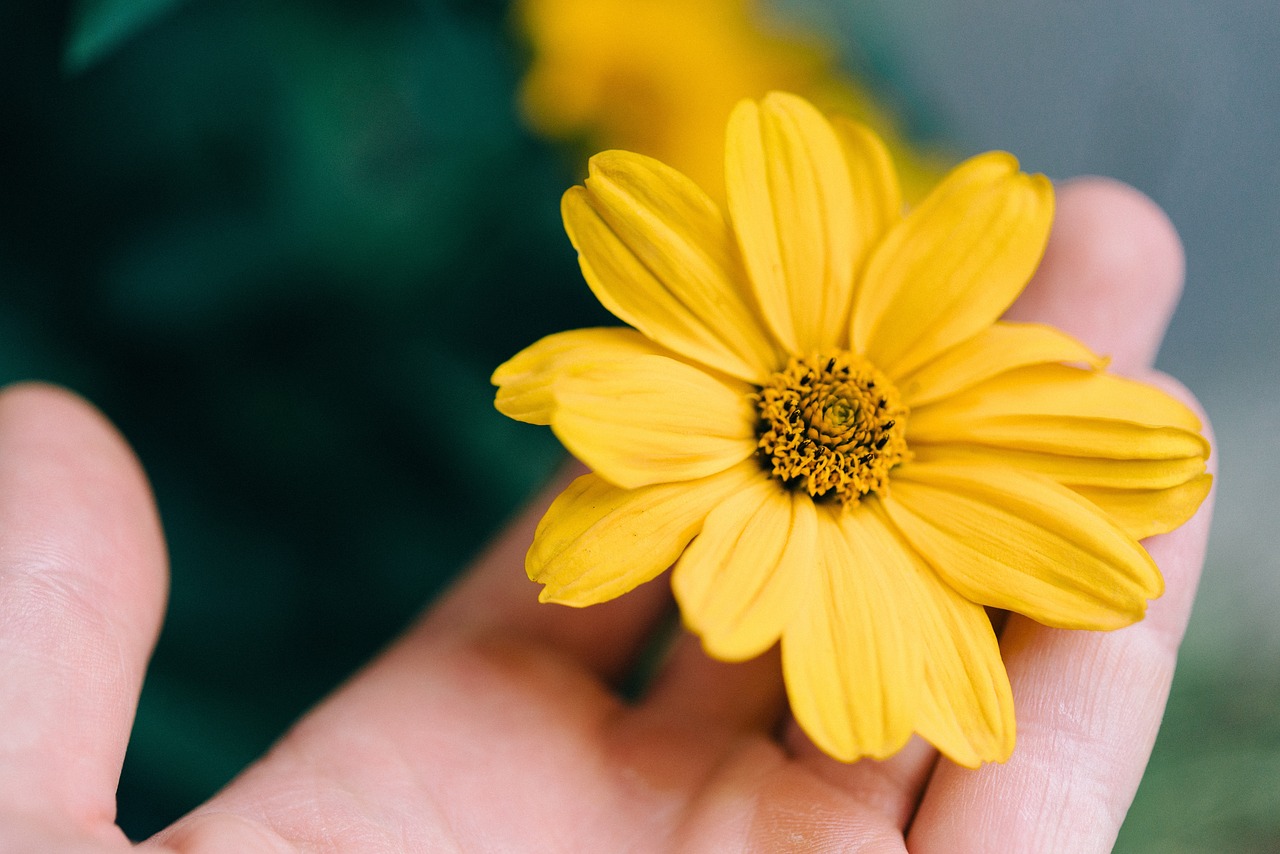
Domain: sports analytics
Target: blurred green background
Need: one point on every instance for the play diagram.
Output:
(283, 244)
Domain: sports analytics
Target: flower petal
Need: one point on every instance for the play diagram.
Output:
(792, 208)
(652, 419)
(598, 541)
(524, 381)
(996, 349)
(967, 708)
(1143, 496)
(852, 657)
(657, 252)
(1023, 543)
(740, 581)
(1064, 390)
(1147, 512)
(877, 196)
(953, 266)
(1064, 410)
(1095, 437)
(1072, 471)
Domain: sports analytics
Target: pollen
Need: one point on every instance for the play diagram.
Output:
(831, 424)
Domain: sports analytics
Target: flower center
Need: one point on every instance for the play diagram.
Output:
(832, 424)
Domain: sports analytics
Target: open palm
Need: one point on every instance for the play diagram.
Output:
(493, 725)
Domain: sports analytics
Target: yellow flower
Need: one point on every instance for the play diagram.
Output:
(659, 77)
(819, 419)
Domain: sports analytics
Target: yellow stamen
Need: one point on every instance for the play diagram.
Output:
(832, 424)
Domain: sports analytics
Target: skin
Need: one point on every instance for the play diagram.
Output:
(492, 725)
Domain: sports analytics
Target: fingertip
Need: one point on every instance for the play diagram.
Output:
(47, 431)
(83, 581)
(1111, 274)
(56, 414)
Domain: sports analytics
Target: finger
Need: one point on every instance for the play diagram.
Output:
(696, 691)
(1088, 703)
(82, 589)
(496, 598)
(1111, 274)
(891, 786)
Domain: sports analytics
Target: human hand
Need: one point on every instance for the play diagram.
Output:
(493, 724)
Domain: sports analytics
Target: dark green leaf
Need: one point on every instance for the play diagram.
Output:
(99, 26)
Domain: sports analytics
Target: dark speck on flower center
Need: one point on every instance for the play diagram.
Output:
(831, 424)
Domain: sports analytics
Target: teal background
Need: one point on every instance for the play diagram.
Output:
(283, 244)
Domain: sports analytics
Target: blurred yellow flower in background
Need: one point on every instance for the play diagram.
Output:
(819, 419)
(659, 77)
